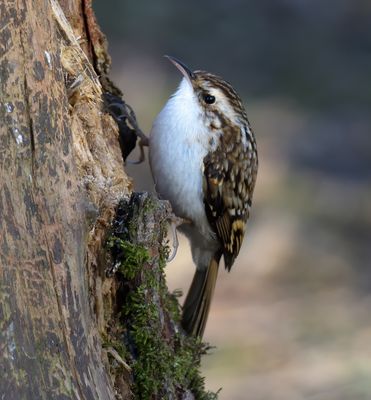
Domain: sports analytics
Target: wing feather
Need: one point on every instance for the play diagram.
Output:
(229, 180)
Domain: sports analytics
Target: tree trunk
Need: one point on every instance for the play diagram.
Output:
(61, 180)
(59, 172)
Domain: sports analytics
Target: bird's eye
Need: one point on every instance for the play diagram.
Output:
(208, 99)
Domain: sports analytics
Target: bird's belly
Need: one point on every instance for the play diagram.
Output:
(178, 177)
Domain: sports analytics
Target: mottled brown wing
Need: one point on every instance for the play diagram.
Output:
(229, 180)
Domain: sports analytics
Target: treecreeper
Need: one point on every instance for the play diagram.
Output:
(204, 160)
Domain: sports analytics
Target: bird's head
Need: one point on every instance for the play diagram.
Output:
(210, 96)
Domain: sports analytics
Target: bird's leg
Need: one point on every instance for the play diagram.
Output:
(143, 139)
(122, 112)
(174, 223)
(175, 242)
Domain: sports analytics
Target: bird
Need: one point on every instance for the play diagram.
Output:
(204, 161)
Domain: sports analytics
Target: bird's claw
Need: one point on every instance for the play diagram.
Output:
(121, 112)
(175, 241)
(174, 223)
(142, 157)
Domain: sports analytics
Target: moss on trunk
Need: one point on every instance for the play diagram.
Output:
(165, 363)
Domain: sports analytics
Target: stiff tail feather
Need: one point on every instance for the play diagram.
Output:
(197, 303)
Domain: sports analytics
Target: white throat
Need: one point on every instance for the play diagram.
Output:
(179, 142)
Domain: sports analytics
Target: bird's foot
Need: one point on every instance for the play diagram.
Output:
(123, 113)
(174, 223)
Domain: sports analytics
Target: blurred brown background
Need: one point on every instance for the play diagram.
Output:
(292, 320)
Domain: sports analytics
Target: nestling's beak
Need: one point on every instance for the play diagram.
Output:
(188, 74)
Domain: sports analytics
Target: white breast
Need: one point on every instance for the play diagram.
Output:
(178, 145)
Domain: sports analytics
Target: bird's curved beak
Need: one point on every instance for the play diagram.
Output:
(188, 74)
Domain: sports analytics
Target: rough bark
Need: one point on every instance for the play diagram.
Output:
(60, 178)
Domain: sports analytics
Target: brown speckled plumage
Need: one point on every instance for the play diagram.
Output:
(230, 170)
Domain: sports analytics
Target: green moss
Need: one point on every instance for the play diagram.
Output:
(132, 259)
(165, 363)
(157, 363)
